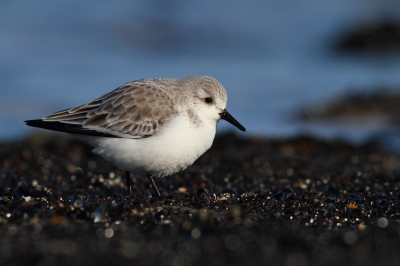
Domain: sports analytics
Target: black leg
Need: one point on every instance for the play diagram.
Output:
(128, 182)
(153, 184)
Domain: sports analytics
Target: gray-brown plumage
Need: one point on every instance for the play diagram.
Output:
(132, 110)
(153, 126)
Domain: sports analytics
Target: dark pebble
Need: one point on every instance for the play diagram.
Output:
(245, 202)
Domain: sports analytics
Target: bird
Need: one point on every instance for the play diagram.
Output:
(155, 126)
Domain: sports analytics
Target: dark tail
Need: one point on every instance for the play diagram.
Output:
(67, 128)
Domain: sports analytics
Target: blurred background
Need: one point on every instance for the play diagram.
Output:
(290, 67)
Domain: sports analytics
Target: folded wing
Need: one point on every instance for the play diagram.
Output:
(134, 110)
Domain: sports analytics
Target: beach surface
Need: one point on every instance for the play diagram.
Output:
(246, 201)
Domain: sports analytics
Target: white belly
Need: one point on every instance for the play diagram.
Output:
(176, 146)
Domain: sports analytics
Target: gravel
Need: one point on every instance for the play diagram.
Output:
(249, 201)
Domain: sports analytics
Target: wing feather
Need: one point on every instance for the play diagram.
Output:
(134, 110)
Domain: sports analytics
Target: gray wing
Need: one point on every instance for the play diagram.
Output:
(133, 110)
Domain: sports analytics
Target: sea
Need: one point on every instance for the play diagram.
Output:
(275, 58)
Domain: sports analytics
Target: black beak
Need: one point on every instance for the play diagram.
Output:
(226, 116)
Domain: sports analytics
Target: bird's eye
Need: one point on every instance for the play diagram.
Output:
(208, 100)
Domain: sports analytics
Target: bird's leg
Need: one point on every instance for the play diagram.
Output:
(153, 184)
(128, 182)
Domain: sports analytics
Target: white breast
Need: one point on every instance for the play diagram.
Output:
(176, 146)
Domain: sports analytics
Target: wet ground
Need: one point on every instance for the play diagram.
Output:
(374, 38)
(379, 106)
(245, 202)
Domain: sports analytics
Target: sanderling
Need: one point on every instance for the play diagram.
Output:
(156, 127)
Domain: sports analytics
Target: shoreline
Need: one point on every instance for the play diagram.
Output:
(298, 201)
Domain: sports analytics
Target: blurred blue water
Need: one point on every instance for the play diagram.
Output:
(273, 57)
